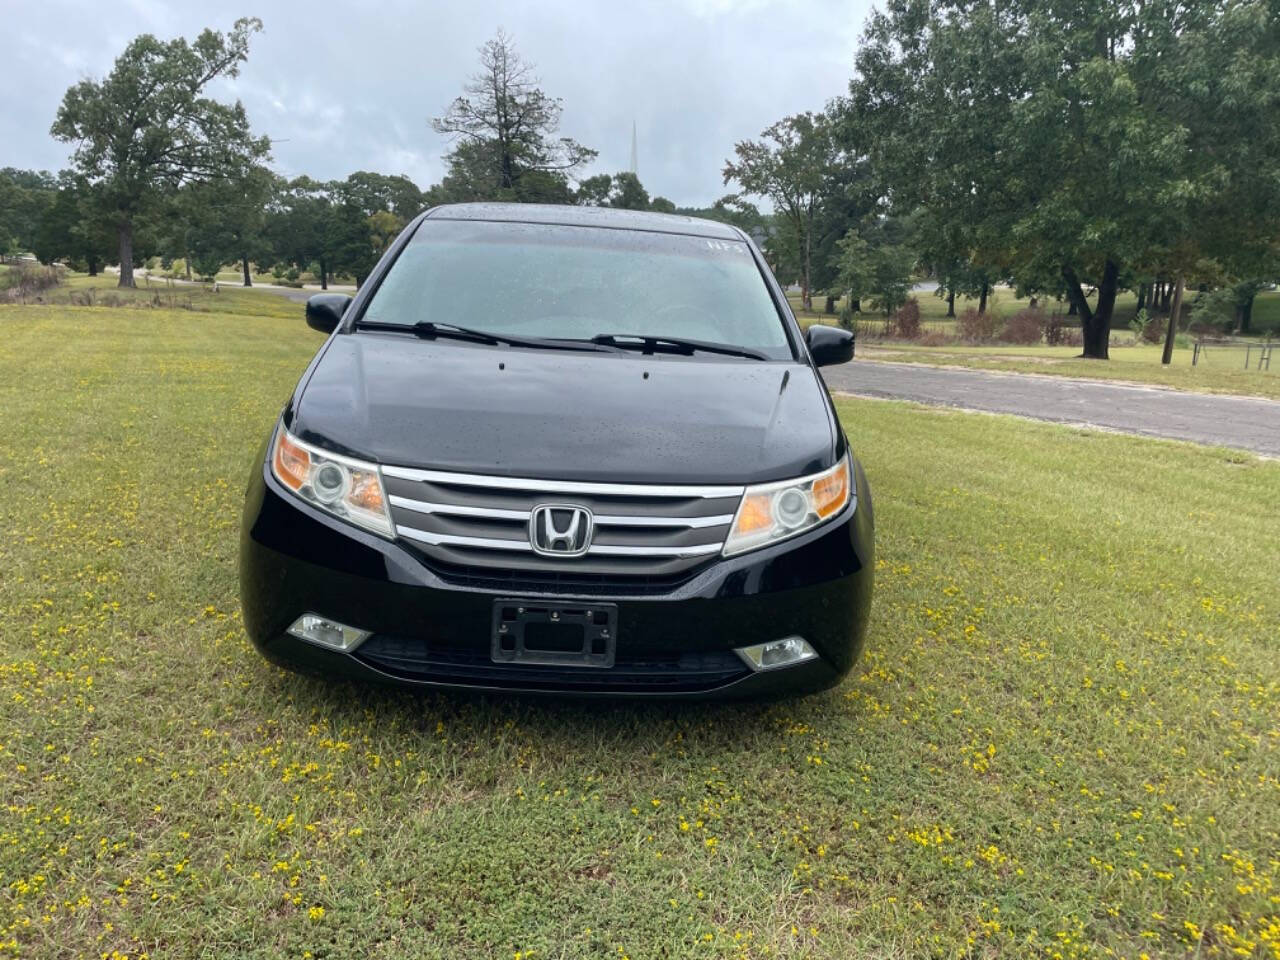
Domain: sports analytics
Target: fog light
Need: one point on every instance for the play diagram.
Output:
(327, 633)
(778, 653)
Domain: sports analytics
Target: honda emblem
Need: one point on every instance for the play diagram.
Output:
(560, 530)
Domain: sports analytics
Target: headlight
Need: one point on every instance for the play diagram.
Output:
(346, 488)
(775, 511)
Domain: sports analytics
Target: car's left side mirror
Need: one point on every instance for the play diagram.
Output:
(829, 345)
(325, 310)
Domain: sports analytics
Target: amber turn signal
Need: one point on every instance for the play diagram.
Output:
(292, 463)
(831, 490)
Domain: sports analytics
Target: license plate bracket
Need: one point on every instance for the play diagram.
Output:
(554, 633)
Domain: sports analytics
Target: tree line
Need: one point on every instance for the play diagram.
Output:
(1071, 151)
(162, 170)
(1065, 149)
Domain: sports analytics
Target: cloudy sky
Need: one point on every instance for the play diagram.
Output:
(344, 86)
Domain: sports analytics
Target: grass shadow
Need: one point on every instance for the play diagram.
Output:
(551, 721)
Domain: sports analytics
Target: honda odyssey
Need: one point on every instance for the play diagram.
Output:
(563, 449)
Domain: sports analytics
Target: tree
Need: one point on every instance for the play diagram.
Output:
(621, 190)
(851, 200)
(790, 166)
(10, 197)
(350, 243)
(1227, 89)
(369, 210)
(880, 271)
(225, 220)
(1242, 296)
(72, 229)
(504, 131)
(384, 226)
(397, 195)
(628, 193)
(25, 195)
(594, 191)
(732, 209)
(341, 226)
(148, 127)
(300, 226)
(1079, 140)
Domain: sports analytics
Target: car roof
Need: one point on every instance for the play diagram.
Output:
(571, 216)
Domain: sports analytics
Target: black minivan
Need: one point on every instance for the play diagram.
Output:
(563, 449)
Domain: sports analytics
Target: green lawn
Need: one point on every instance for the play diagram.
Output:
(1219, 371)
(933, 309)
(1062, 742)
(155, 293)
(232, 274)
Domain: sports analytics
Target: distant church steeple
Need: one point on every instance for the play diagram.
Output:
(634, 167)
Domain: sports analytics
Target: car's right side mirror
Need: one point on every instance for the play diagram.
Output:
(325, 310)
(829, 345)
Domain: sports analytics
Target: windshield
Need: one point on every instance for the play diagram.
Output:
(545, 280)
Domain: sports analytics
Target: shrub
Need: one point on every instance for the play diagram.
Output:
(906, 321)
(865, 328)
(846, 316)
(1148, 328)
(973, 325)
(1025, 326)
(1216, 310)
(1056, 330)
(934, 338)
(1153, 330)
(206, 266)
(1137, 323)
(25, 280)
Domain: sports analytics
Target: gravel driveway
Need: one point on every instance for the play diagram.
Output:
(1244, 422)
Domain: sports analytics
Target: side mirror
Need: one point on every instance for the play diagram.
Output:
(829, 345)
(325, 310)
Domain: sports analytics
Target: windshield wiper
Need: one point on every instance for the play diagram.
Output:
(430, 330)
(647, 344)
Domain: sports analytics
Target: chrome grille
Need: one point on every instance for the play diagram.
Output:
(479, 525)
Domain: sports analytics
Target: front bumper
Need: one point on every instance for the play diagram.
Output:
(430, 631)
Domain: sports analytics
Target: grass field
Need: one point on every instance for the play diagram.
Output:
(1219, 371)
(1062, 741)
(155, 293)
(1002, 302)
(80, 289)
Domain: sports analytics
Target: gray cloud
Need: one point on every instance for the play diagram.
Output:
(354, 86)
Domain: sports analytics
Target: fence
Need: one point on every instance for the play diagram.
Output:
(882, 328)
(1250, 349)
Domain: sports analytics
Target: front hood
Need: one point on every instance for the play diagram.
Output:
(561, 415)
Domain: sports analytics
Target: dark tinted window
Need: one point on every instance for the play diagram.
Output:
(541, 280)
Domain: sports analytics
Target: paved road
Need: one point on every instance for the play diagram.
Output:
(1244, 422)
